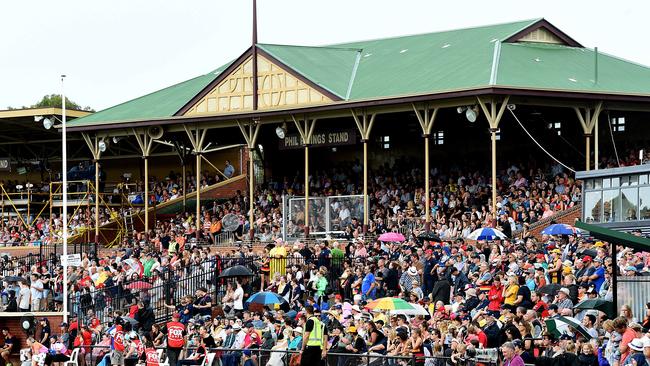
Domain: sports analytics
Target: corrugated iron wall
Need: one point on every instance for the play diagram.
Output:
(634, 291)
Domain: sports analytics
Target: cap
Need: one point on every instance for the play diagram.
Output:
(247, 352)
(352, 329)
(586, 259)
(565, 291)
(565, 337)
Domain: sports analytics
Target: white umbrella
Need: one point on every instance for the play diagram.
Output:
(486, 233)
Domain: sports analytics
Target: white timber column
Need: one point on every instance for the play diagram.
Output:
(306, 130)
(426, 116)
(197, 139)
(493, 115)
(250, 131)
(588, 118)
(145, 142)
(364, 125)
(93, 145)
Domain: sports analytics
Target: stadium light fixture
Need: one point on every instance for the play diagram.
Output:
(116, 139)
(103, 145)
(38, 118)
(471, 114)
(281, 131)
(47, 123)
(460, 109)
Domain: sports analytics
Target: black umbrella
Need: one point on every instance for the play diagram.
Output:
(14, 279)
(551, 289)
(430, 236)
(236, 271)
(605, 306)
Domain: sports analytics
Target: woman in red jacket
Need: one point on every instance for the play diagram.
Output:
(495, 295)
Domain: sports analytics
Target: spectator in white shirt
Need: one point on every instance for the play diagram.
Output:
(36, 292)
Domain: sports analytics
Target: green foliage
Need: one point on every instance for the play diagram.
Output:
(54, 100)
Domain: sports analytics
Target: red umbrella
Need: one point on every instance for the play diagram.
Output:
(397, 237)
(139, 285)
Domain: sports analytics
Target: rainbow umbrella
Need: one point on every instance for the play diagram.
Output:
(389, 303)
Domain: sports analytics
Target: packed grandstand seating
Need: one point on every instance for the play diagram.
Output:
(472, 296)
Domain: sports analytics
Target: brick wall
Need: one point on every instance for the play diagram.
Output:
(13, 323)
(565, 217)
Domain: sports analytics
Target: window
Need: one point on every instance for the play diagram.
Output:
(644, 203)
(439, 137)
(629, 199)
(593, 206)
(384, 141)
(555, 126)
(618, 124)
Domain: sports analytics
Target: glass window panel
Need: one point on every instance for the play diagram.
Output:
(634, 180)
(594, 206)
(625, 181)
(616, 182)
(644, 203)
(598, 183)
(643, 179)
(611, 205)
(607, 183)
(589, 184)
(629, 203)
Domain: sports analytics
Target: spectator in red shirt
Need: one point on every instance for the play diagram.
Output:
(495, 295)
(539, 305)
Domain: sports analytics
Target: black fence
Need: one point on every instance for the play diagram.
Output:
(164, 288)
(335, 357)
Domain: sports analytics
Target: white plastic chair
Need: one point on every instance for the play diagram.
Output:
(74, 358)
(209, 359)
(160, 358)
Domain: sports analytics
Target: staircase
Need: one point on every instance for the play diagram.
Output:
(113, 232)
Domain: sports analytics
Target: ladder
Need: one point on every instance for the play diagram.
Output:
(128, 224)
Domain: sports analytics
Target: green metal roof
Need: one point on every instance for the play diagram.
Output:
(159, 104)
(417, 65)
(332, 68)
(615, 237)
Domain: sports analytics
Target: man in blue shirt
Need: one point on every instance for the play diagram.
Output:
(229, 170)
(598, 276)
(368, 285)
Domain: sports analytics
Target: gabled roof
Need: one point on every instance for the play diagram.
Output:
(493, 56)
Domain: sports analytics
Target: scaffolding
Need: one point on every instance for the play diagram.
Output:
(22, 205)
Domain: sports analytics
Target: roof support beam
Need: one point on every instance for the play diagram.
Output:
(588, 118)
(426, 115)
(365, 127)
(250, 132)
(493, 116)
(306, 131)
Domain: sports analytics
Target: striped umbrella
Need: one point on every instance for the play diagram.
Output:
(389, 303)
(486, 233)
(265, 298)
(561, 324)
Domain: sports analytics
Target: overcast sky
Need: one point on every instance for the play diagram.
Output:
(114, 51)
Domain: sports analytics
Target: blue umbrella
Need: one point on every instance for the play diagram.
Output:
(265, 298)
(486, 233)
(559, 229)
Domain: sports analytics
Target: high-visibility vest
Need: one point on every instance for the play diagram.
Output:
(316, 335)
(152, 357)
(175, 335)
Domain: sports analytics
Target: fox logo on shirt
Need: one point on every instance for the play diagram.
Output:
(152, 357)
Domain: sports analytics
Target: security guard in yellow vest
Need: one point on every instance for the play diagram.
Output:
(314, 341)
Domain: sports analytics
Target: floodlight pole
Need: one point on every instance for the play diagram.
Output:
(64, 219)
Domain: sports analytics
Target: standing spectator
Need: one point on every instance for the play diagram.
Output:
(24, 296)
(229, 170)
(36, 292)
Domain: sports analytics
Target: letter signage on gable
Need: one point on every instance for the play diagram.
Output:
(321, 139)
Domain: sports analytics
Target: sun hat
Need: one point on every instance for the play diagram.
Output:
(637, 344)
(412, 271)
(566, 291)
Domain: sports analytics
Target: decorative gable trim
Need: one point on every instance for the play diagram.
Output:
(543, 32)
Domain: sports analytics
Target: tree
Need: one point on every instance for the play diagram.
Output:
(54, 100)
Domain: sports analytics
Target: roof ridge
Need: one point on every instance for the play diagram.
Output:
(355, 49)
(522, 28)
(530, 21)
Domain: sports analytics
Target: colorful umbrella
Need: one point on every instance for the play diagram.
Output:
(605, 306)
(265, 298)
(139, 285)
(389, 303)
(561, 324)
(559, 229)
(391, 236)
(417, 310)
(486, 233)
